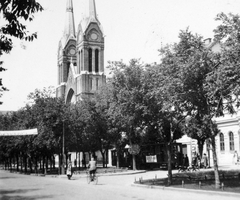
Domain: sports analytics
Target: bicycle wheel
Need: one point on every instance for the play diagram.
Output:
(88, 178)
(95, 180)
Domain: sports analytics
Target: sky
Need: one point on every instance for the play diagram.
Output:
(132, 29)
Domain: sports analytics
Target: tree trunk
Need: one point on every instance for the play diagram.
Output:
(169, 152)
(59, 163)
(200, 146)
(79, 161)
(46, 165)
(169, 163)
(84, 160)
(134, 162)
(215, 164)
(103, 158)
(17, 158)
(106, 159)
(21, 161)
(10, 163)
(133, 157)
(118, 159)
(25, 163)
(43, 165)
(30, 165)
(5, 163)
(54, 162)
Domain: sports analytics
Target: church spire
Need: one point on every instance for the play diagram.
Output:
(69, 29)
(92, 9)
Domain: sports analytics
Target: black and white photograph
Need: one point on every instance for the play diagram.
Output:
(119, 99)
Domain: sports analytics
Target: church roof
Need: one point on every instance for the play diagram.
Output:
(69, 29)
(92, 17)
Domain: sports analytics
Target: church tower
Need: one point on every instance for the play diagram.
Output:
(81, 56)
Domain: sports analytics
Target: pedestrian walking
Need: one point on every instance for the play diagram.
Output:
(235, 158)
(69, 170)
(205, 161)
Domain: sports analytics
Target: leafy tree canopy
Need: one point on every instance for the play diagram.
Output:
(15, 12)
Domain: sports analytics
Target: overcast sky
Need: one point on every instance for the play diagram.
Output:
(132, 29)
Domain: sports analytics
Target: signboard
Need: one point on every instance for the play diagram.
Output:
(151, 159)
(134, 149)
(20, 132)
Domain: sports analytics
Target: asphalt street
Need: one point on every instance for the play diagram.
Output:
(15, 186)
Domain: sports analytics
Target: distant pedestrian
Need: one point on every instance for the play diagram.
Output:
(198, 160)
(69, 170)
(185, 161)
(194, 160)
(205, 161)
(75, 163)
(235, 157)
(83, 163)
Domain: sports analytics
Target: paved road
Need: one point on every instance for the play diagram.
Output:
(27, 187)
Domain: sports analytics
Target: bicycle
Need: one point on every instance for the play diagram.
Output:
(95, 178)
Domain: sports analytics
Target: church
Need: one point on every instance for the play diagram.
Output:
(80, 59)
(80, 56)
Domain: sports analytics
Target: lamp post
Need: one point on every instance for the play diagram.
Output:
(63, 150)
(208, 151)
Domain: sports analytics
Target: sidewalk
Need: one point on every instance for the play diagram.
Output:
(83, 175)
(130, 172)
(210, 192)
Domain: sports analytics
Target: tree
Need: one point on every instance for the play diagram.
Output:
(13, 12)
(116, 128)
(210, 79)
(165, 112)
(50, 115)
(127, 99)
(223, 82)
(198, 128)
(194, 63)
(47, 114)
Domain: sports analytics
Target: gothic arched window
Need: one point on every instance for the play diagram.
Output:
(96, 61)
(81, 62)
(222, 145)
(90, 60)
(68, 69)
(90, 84)
(97, 84)
(231, 141)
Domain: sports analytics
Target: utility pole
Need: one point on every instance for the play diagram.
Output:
(63, 149)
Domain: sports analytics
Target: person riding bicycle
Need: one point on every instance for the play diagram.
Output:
(92, 165)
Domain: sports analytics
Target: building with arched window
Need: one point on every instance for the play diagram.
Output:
(80, 56)
(228, 141)
(222, 144)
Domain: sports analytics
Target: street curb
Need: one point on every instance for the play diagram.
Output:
(186, 190)
(102, 174)
(83, 175)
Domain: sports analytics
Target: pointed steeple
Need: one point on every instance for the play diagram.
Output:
(91, 17)
(92, 9)
(69, 29)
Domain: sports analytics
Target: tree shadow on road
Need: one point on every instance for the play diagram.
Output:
(7, 177)
(20, 195)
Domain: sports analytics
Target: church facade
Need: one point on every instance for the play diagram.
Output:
(80, 56)
(80, 60)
